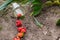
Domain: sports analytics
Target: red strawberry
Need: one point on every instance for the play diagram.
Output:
(16, 38)
(18, 23)
(21, 29)
(19, 15)
(20, 34)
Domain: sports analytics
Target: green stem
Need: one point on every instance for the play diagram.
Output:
(37, 22)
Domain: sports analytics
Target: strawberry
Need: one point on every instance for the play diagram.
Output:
(19, 15)
(21, 29)
(16, 38)
(18, 23)
(20, 34)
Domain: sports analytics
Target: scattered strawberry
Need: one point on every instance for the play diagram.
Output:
(21, 29)
(19, 15)
(20, 34)
(16, 38)
(18, 23)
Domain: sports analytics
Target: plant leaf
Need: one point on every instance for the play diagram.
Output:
(58, 22)
(48, 3)
(37, 7)
(5, 4)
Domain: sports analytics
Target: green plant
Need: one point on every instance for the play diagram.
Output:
(0, 28)
(37, 7)
(48, 3)
(52, 2)
(58, 22)
(21, 1)
(5, 4)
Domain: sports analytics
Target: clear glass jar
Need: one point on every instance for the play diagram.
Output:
(18, 10)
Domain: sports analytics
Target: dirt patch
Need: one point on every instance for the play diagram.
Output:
(48, 18)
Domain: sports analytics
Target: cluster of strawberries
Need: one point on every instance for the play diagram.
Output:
(21, 30)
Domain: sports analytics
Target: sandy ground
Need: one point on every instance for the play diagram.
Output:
(50, 31)
(48, 18)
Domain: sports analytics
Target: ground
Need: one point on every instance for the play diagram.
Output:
(48, 32)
